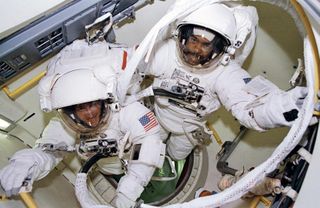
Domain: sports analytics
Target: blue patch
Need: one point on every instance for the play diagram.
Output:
(246, 80)
(144, 120)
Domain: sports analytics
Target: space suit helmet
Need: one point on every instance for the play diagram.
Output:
(80, 85)
(205, 35)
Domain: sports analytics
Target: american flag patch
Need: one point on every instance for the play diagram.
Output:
(148, 121)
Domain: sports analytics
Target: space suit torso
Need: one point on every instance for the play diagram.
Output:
(130, 126)
(112, 137)
(196, 98)
(133, 128)
(204, 91)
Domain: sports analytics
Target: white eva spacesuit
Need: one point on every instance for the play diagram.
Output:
(200, 70)
(80, 84)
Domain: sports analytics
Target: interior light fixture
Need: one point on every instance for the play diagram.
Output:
(4, 124)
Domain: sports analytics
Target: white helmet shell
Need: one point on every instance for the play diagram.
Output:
(81, 86)
(215, 17)
(79, 73)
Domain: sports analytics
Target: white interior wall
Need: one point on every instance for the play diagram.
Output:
(18, 14)
(133, 32)
(277, 36)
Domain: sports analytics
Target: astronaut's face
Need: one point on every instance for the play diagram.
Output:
(89, 113)
(197, 50)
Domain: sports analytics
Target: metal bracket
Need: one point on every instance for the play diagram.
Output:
(99, 28)
(225, 152)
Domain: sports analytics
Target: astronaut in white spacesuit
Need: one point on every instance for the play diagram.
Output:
(199, 70)
(80, 85)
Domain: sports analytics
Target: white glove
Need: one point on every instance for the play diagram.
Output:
(33, 164)
(13, 175)
(298, 94)
(292, 102)
(280, 108)
(121, 201)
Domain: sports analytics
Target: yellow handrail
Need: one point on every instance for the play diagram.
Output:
(215, 134)
(2, 197)
(28, 200)
(257, 199)
(26, 86)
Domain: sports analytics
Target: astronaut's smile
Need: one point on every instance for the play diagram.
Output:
(89, 113)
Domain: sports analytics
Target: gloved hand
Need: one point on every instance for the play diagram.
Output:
(296, 96)
(13, 175)
(280, 108)
(299, 94)
(121, 201)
